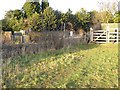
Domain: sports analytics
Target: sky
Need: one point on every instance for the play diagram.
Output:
(61, 5)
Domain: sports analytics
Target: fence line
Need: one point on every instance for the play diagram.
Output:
(48, 41)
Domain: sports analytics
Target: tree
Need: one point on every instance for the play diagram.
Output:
(5, 22)
(83, 19)
(30, 8)
(107, 10)
(69, 15)
(44, 5)
(70, 18)
(117, 17)
(49, 19)
(25, 23)
(17, 14)
(13, 21)
(93, 18)
(59, 20)
(104, 16)
(5, 25)
(36, 22)
(9, 14)
(64, 17)
(15, 24)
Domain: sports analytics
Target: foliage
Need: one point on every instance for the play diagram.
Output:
(49, 19)
(15, 24)
(26, 24)
(13, 21)
(9, 14)
(5, 25)
(40, 17)
(60, 20)
(81, 66)
(36, 22)
(117, 17)
(94, 17)
(17, 14)
(30, 8)
(68, 15)
(71, 18)
(107, 10)
(104, 16)
(44, 5)
(83, 19)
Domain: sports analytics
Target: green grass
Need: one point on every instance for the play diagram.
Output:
(112, 25)
(81, 66)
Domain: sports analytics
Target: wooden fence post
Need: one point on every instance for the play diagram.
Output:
(117, 36)
(64, 36)
(64, 26)
(107, 36)
(1, 57)
(91, 34)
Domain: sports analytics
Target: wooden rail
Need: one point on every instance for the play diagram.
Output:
(105, 36)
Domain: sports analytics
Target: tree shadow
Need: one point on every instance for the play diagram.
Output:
(26, 60)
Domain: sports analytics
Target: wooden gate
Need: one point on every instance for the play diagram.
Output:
(105, 36)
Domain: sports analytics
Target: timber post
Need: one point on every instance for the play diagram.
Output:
(107, 32)
(91, 34)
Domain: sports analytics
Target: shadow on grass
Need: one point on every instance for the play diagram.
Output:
(27, 60)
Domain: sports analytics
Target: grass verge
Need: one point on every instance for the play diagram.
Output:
(81, 66)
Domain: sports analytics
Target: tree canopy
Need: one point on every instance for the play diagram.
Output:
(41, 17)
(30, 8)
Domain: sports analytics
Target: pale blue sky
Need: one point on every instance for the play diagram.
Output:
(61, 5)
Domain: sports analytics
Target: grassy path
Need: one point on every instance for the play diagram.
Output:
(77, 67)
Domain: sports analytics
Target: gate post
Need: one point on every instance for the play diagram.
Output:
(91, 34)
(107, 36)
(117, 36)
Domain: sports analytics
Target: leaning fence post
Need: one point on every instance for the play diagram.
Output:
(23, 49)
(91, 34)
(64, 36)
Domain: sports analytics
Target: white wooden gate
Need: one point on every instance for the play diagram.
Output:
(105, 36)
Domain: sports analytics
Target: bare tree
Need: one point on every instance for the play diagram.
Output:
(107, 9)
